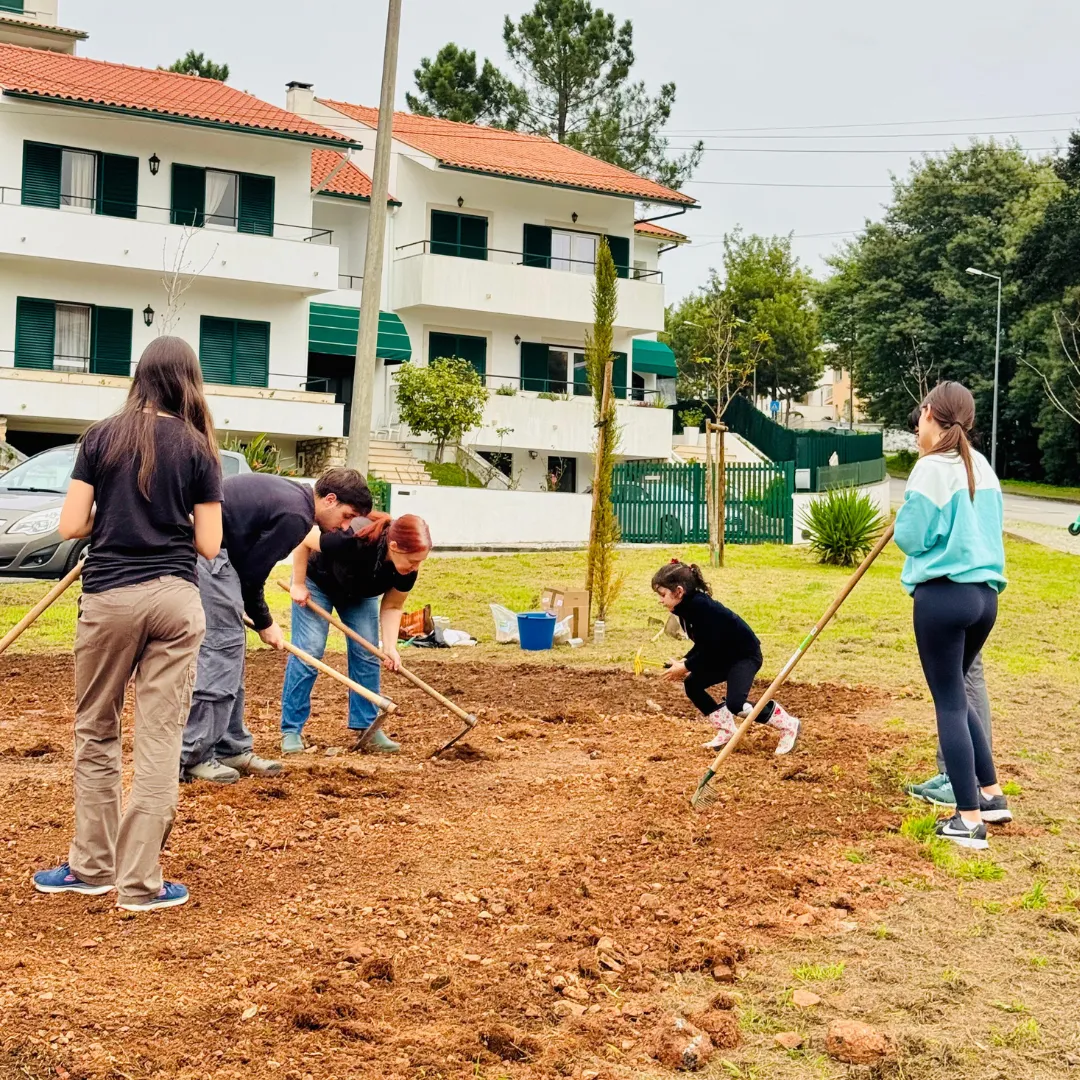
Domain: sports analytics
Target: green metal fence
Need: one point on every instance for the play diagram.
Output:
(854, 474)
(660, 503)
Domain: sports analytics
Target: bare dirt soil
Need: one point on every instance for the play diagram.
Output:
(520, 911)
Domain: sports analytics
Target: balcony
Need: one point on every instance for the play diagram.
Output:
(74, 399)
(502, 285)
(296, 257)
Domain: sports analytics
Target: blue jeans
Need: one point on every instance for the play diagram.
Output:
(309, 633)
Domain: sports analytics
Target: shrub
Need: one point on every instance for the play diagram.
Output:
(380, 493)
(260, 453)
(506, 390)
(842, 526)
(691, 418)
(444, 399)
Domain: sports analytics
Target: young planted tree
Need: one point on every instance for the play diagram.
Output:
(443, 400)
(601, 580)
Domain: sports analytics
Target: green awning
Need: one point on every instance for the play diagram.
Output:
(654, 357)
(334, 330)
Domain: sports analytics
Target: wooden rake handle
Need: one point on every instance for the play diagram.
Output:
(376, 699)
(349, 632)
(31, 616)
(807, 641)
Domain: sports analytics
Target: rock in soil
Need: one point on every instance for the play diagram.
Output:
(856, 1043)
(678, 1044)
(804, 999)
(789, 1040)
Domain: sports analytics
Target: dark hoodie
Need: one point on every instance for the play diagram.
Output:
(720, 637)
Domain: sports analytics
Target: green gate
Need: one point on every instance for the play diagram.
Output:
(660, 503)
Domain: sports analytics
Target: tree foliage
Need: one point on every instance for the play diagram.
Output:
(197, 63)
(451, 87)
(444, 400)
(573, 64)
(602, 581)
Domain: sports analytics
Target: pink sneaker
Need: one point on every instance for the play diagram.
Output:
(788, 726)
(725, 726)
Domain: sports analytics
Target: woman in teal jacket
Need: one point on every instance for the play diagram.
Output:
(950, 528)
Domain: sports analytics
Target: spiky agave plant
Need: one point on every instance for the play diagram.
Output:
(843, 526)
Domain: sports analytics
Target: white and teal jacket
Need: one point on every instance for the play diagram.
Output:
(946, 534)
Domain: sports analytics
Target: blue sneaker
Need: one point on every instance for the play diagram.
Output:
(172, 895)
(63, 880)
(292, 742)
(922, 791)
(942, 795)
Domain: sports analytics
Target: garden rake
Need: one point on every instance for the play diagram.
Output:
(707, 791)
(640, 661)
(469, 718)
(385, 706)
(47, 600)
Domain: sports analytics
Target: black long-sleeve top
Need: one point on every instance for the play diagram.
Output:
(720, 636)
(263, 519)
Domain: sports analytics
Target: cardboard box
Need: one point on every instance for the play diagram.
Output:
(563, 602)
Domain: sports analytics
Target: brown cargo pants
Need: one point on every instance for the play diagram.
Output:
(153, 630)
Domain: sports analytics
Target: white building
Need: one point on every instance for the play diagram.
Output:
(491, 244)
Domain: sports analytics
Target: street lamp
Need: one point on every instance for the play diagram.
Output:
(997, 363)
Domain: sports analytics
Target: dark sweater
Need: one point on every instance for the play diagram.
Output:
(720, 637)
(263, 519)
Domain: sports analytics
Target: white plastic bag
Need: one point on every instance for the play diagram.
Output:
(506, 626)
(563, 633)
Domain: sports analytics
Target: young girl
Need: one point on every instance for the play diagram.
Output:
(950, 528)
(350, 571)
(154, 474)
(725, 650)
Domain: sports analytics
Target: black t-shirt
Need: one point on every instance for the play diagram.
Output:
(720, 636)
(349, 569)
(136, 539)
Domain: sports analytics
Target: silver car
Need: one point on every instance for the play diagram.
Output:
(31, 496)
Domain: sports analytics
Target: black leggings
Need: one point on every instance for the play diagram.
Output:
(739, 678)
(952, 622)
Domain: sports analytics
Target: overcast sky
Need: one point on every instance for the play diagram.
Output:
(906, 72)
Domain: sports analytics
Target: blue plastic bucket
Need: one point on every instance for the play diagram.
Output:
(536, 630)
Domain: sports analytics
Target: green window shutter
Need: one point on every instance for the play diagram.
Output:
(41, 175)
(618, 374)
(444, 233)
(534, 366)
(537, 246)
(474, 237)
(441, 345)
(620, 253)
(12, 5)
(256, 205)
(110, 341)
(251, 363)
(119, 189)
(188, 195)
(217, 342)
(465, 346)
(35, 333)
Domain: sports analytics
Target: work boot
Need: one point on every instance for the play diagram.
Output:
(787, 725)
(725, 726)
(378, 742)
(292, 742)
(250, 764)
(213, 771)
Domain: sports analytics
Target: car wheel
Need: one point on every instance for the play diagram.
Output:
(671, 530)
(75, 556)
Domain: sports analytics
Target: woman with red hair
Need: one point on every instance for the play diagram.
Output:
(349, 570)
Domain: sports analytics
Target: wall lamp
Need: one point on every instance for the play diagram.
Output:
(155, 165)
(148, 315)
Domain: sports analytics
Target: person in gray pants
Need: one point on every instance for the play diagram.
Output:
(938, 790)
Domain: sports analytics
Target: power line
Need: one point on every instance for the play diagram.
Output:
(884, 123)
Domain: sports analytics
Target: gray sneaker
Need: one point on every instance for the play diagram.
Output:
(250, 764)
(213, 771)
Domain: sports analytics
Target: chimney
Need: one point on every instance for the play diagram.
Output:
(300, 98)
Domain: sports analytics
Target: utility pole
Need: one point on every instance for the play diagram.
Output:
(370, 297)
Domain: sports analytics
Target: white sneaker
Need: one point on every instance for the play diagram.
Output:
(788, 726)
(213, 771)
(250, 764)
(725, 726)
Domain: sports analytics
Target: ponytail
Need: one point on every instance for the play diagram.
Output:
(679, 575)
(409, 532)
(953, 407)
(378, 523)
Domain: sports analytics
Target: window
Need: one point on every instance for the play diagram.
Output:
(83, 181)
(465, 346)
(48, 471)
(71, 349)
(222, 199)
(234, 352)
(637, 387)
(567, 250)
(78, 181)
(575, 252)
(640, 269)
(562, 474)
(464, 236)
(239, 202)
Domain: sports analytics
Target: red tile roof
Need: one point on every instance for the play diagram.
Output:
(660, 232)
(52, 28)
(350, 181)
(54, 76)
(514, 154)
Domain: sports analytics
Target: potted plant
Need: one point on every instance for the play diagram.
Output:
(691, 420)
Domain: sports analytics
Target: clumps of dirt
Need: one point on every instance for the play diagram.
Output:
(38, 750)
(377, 969)
(463, 752)
(717, 955)
(272, 793)
(509, 1044)
(721, 1027)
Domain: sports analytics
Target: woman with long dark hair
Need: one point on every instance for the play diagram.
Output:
(146, 489)
(350, 570)
(950, 528)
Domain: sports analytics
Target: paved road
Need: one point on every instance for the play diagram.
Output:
(1017, 507)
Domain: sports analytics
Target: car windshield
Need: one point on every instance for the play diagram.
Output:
(46, 472)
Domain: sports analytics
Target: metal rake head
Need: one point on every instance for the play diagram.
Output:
(707, 794)
(641, 662)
